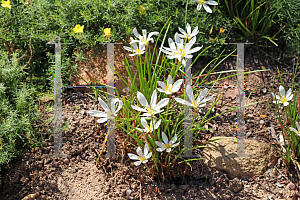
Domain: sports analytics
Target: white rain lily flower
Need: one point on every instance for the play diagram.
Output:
(153, 108)
(172, 51)
(143, 39)
(109, 113)
(136, 50)
(205, 5)
(295, 131)
(141, 157)
(153, 125)
(169, 88)
(182, 51)
(166, 145)
(282, 97)
(194, 103)
(188, 35)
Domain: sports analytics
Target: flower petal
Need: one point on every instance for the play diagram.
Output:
(144, 122)
(160, 144)
(96, 113)
(136, 33)
(142, 99)
(102, 120)
(298, 126)
(156, 125)
(175, 145)
(211, 3)
(103, 104)
(182, 101)
(189, 92)
(161, 149)
(165, 138)
(161, 104)
(138, 108)
(146, 149)
(188, 28)
(207, 8)
(294, 130)
(133, 156)
(137, 163)
(139, 151)
(153, 99)
(177, 85)
(281, 90)
(170, 80)
(201, 95)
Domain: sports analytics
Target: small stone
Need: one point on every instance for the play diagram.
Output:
(279, 185)
(265, 90)
(236, 185)
(66, 161)
(291, 186)
(261, 121)
(248, 133)
(128, 192)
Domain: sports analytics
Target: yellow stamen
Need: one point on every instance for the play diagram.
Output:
(109, 114)
(283, 99)
(194, 103)
(138, 51)
(142, 158)
(150, 128)
(201, 2)
(168, 145)
(150, 110)
(169, 88)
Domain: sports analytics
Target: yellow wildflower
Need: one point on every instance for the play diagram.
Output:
(222, 30)
(6, 4)
(142, 10)
(78, 29)
(107, 32)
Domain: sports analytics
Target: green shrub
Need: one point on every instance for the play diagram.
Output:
(18, 110)
(290, 19)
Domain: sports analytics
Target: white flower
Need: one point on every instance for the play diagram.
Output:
(205, 5)
(172, 51)
(166, 144)
(194, 103)
(143, 39)
(298, 127)
(182, 51)
(282, 97)
(153, 108)
(153, 125)
(136, 50)
(109, 113)
(169, 88)
(141, 157)
(188, 35)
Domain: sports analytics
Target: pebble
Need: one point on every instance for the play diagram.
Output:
(265, 90)
(261, 121)
(67, 161)
(128, 192)
(248, 133)
(279, 185)
(291, 186)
